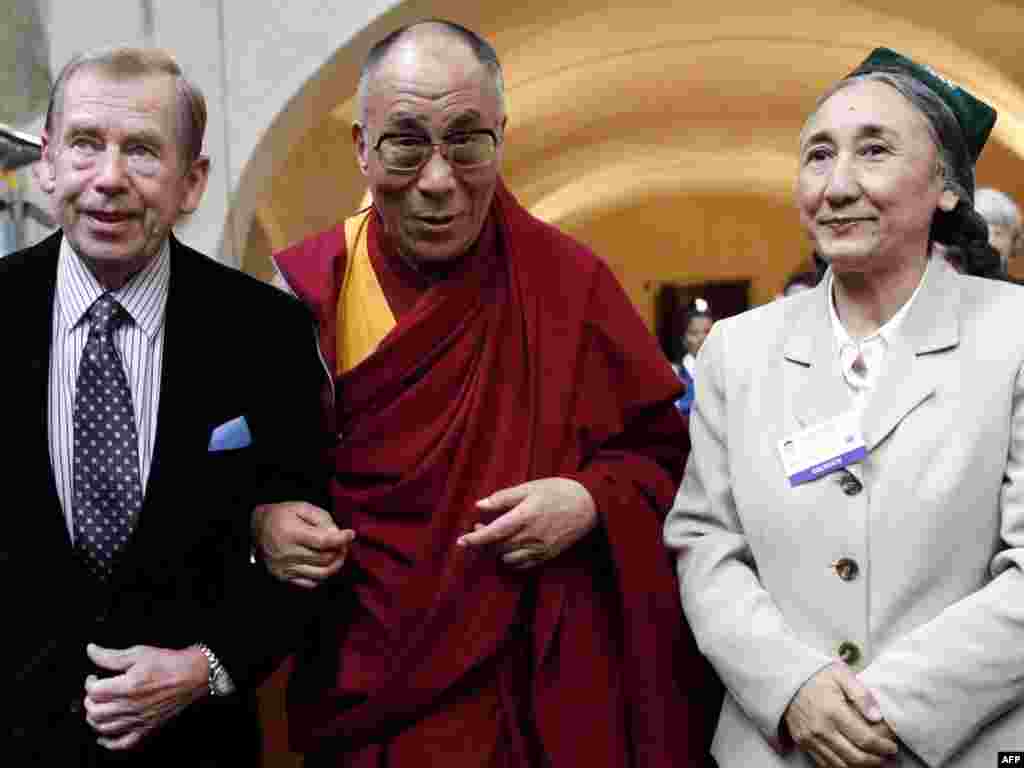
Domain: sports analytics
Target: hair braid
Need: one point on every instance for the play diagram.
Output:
(966, 229)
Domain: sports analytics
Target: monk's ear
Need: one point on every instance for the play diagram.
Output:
(948, 200)
(362, 148)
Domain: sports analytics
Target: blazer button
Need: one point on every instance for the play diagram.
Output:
(851, 485)
(849, 652)
(846, 569)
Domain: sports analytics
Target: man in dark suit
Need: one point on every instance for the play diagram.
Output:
(154, 397)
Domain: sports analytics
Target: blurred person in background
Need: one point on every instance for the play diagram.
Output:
(979, 262)
(1005, 231)
(698, 326)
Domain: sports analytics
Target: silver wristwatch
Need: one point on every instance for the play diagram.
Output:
(219, 680)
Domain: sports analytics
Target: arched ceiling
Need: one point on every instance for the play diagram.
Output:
(670, 123)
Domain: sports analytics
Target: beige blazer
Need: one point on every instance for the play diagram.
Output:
(930, 527)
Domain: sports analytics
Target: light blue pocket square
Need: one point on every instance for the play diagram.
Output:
(230, 435)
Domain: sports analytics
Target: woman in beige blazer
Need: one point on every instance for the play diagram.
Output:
(871, 613)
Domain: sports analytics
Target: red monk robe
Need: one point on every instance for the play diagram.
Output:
(526, 361)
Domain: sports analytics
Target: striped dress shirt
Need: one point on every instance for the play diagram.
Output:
(140, 344)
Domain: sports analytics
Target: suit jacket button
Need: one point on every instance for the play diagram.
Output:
(76, 707)
(849, 652)
(851, 485)
(846, 568)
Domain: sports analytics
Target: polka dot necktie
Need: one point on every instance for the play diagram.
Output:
(108, 491)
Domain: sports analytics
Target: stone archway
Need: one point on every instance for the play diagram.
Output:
(663, 138)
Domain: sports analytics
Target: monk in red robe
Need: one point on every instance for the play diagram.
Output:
(507, 447)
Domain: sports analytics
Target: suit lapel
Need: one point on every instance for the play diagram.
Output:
(815, 386)
(812, 380)
(34, 365)
(931, 326)
(181, 423)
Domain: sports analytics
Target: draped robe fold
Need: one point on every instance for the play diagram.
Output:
(526, 361)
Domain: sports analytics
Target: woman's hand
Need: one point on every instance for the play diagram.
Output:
(836, 720)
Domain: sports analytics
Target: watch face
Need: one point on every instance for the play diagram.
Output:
(220, 685)
(220, 682)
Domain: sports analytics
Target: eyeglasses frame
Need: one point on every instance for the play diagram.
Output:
(440, 146)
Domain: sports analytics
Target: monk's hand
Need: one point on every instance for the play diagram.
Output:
(543, 518)
(837, 721)
(299, 542)
(151, 687)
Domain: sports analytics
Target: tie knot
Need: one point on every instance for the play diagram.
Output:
(106, 314)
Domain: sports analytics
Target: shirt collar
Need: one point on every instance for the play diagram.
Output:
(144, 296)
(886, 333)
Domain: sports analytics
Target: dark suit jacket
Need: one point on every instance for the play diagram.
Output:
(233, 347)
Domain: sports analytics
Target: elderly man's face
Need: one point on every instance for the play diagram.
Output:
(869, 182)
(115, 170)
(1004, 239)
(430, 88)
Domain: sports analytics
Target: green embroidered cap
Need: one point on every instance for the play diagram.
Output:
(976, 118)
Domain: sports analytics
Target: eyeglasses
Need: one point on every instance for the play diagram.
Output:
(465, 151)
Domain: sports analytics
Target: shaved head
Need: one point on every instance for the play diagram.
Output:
(428, 34)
